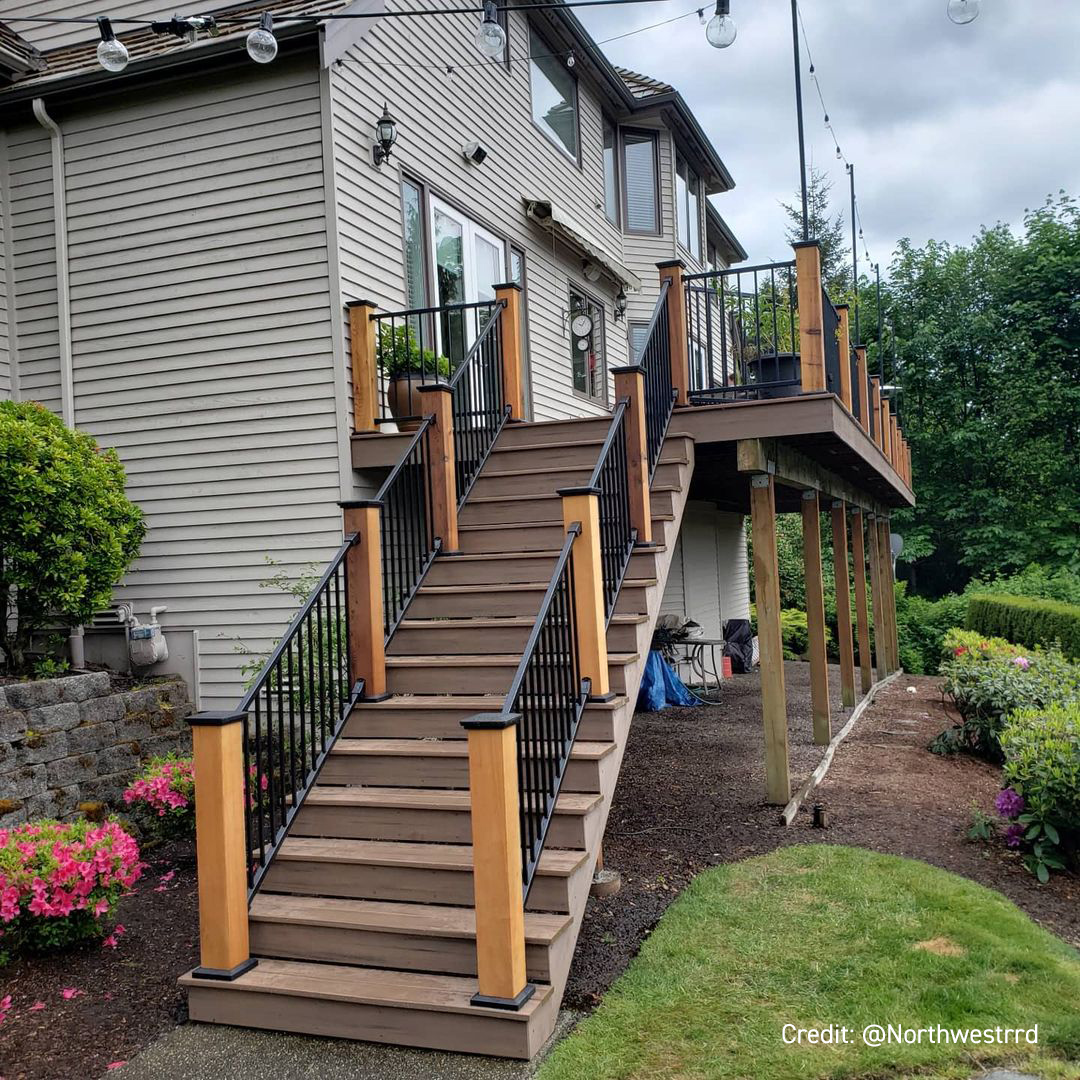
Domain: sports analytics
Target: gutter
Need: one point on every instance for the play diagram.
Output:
(63, 286)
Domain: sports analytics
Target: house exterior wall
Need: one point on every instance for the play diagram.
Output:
(46, 36)
(202, 335)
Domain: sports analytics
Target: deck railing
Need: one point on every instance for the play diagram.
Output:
(742, 333)
(659, 390)
(829, 333)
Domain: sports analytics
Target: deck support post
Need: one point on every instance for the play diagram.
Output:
(513, 367)
(843, 311)
(673, 271)
(363, 585)
(630, 384)
(843, 603)
(218, 755)
(770, 639)
(365, 366)
(877, 587)
(862, 613)
(815, 618)
(863, 376)
(582, 505)
(811, 315)
(884, 532)
(499, 898)
(437, 402)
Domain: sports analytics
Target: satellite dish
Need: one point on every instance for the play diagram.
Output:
(896, 544)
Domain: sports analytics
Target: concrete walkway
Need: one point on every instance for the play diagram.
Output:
(215, 1052)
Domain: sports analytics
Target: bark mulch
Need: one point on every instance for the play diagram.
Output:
(126, 996)
(690, 796)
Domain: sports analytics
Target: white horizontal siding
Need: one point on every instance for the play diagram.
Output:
(201, 333)
(6, 361)
(734, 568)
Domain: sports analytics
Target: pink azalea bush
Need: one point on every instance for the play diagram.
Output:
(164, 794)
(60, 882)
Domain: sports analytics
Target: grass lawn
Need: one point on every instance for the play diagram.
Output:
(820, 935)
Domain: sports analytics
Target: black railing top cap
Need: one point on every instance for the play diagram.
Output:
(845, 306)
(507, 285)
(585, 489)
(217, 718)
(359, 504)
(360, 303)
(443, 387)
(806, 244)
(670, 262)
(491, 721)
(628, 369)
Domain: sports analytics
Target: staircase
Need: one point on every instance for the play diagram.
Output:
(363, 924)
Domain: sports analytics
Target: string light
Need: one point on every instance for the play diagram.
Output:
(490, 37)
(111, 54)
(721, 31)
(261, 44)
(962, 12)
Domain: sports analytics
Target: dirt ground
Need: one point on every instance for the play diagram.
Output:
(690, 796)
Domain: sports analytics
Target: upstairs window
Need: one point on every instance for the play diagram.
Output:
(640, 194)
(688, 208)
(554, 96)
(611, 172)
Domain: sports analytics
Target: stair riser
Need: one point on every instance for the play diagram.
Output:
(383, 770)
(632, 601)
(537, 483)
(542, 457)
(555, 431)
(597, 725)
(484, 640)
(495, 679)
(510, 513)
(457, 605)
(539, 538)
(492, 571)
(419, 826)
(402, 883)
(367, 948)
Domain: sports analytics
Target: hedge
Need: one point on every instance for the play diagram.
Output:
(1027, 621)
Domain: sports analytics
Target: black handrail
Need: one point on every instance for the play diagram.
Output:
(547, 696)
(830, 328)
(659, 390)
(742, 333)
(406, 527)
(857, 391)
(294, 712)
(610, 480)
(478, 402)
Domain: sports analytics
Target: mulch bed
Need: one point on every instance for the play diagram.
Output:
(690, 796)
(127, 995)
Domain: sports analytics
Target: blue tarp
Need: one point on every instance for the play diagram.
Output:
(660, 686)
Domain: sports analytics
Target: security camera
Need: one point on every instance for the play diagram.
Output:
(474, 152)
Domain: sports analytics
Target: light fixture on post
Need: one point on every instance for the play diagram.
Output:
(261, 43)
(490, 37)
(620, 304)
(962, 12)
(721, 31)
(385, 136)
(112, 55)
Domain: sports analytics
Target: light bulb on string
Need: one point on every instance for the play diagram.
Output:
(490, 38)
(838, 154)
(261, 44)
(721, 31)
(112, 54)
(962, 12)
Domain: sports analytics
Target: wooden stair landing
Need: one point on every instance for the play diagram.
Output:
(364, 926)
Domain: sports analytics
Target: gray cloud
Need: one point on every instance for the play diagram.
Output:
(950, 128)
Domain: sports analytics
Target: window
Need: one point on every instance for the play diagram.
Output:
(636, 332)
(639, 182)
(587, 346)
(611, 174)
(412, 210)
(554, 96)
(688, 208)
(519, 277)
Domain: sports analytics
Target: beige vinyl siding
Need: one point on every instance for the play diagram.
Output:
(201, 330)
(437, 114)
(734, 567)
(53, 35)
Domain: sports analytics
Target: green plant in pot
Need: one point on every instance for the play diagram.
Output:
(407, 367)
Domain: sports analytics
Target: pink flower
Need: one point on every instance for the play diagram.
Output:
(110, 942)
(115, 1065)
(37, 1006)
(5, 1007)
(1022, 662)
(69, 992)
(167, 877)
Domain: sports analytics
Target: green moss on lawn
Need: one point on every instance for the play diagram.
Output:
(821, 935)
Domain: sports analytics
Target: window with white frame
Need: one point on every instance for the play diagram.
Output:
(688, 207)
(554, 95)
(641, 196)
(587, 346)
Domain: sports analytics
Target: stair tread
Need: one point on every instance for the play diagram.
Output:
(516, 586)
(370, 986)
(546, 444)
(554, 862)
(462, 621)
(546, 496)
(569, 803)
(448, 748)
(551, 553)
(480, 703)
(428, 920)
(468, 660)
(530, 525)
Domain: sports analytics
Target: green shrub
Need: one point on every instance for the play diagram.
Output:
(1041, 581)
(67, 530)
(400, 354)
(1026, 620)
(1042, 763)
(958, 642)
(921, 628)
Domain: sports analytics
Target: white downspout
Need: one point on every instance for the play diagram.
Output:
(63, 289)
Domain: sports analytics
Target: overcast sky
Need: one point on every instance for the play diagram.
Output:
(949, 127)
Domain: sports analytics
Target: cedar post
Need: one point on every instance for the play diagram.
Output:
(363, 574)
(811, 315)
(365, 365)
(886, 429)
(873, 544)
(843, 603)
(862, 616)
(630, 384)
(894, 444)
(844, 312)
(218, 756)
(673, 271)
(498, 898)
(865, 402)
(582, 505)
(513, 366)
(437, 399)
(770, 639)
(884, 529)
(875, 405)
(815, 618)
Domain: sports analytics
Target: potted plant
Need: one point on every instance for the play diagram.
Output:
(407, 366)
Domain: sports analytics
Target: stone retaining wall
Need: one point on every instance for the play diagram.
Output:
(66, 742)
